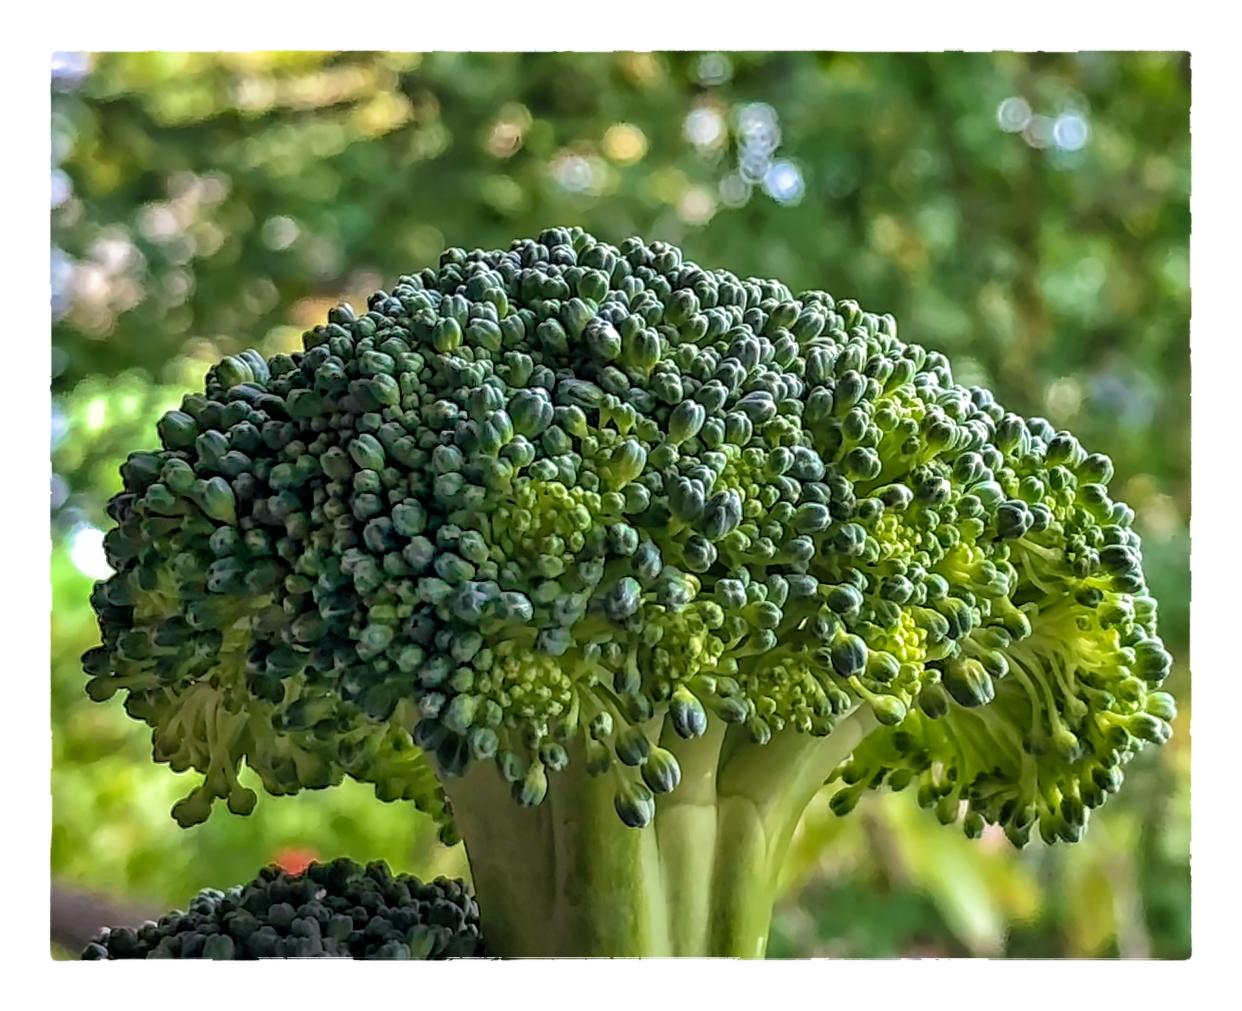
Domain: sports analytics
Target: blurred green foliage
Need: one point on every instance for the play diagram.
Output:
(1028, 214)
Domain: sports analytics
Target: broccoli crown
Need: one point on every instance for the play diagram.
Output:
(333, 910)
(534, 499)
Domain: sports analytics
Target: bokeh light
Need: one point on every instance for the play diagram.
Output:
(625, 143)
(783, 182)
(704, 126)
(1071, 132)
(86, 550)
(1013, 114)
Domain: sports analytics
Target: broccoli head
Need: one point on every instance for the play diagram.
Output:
(334, 910)
(566, 509)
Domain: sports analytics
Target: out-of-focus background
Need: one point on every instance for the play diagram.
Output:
(1026, 214)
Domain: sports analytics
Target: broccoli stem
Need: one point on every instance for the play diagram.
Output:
(568, 879)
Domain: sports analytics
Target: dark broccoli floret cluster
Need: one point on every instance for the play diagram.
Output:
(533, 500)
(333, 910)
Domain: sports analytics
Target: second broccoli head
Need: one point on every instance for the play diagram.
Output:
(534, 499)
(331, 910)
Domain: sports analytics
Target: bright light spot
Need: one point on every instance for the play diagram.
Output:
(158, 222)
(62, 187)
(574, 173)
(1070, 132)
(713, 68)
(383, 113)
(183, 186)
(60, 425)
(254, 94)
(504, 140)
(645, 68)
(756, 116)
(734, 190)
(178, 284)
(62, 280)
(69, 68)
(86, 551)
(90, 283)
(215, 187)
(969, 371)
(280, 232)
(1038, 132)
(504, 137)
(1063, 399)
(62, 139)
(1162, 519)
(208, 238)
(753, 166)
(704, 126)
(128, 404)
(96, 414)
(758, 128)
(783, 182)
(115, 253)
(697, 205)
(1013, 114)
(60, 491)
(625, 143)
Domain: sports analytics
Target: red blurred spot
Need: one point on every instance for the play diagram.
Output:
(294, 860)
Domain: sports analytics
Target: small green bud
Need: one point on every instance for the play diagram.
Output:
(934, 701)
(661, 771)
(216, 499)
(533, 787)
(687, 713)
(177, 430)
(968, 683)
(632, 746)
(635, 804)
(446, 335)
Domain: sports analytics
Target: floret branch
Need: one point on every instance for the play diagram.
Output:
(629, 557)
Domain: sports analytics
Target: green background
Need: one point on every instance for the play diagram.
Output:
(1026, 214)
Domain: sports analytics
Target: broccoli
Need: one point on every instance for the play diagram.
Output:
(333, 910)
(608, 562)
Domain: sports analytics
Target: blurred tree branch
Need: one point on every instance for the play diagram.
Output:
(78, 915)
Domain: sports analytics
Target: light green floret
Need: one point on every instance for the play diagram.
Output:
(580, 521)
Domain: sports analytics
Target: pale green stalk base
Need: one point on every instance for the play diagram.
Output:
(569, 879)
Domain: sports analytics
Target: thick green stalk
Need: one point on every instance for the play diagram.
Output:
(568, 879)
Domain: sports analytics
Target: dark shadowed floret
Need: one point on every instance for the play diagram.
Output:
(534, 498)
(335, 910)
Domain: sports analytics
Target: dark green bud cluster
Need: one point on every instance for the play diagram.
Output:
(550, 496)
(334, 910)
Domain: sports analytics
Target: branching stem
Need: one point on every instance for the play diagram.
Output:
(568, 879)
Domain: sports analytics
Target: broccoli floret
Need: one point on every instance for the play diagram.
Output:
(577, 512)
(334, 910)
